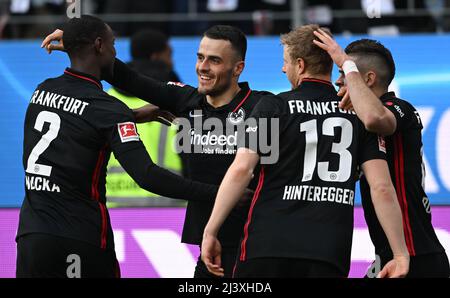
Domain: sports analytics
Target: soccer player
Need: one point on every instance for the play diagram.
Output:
(219, 95)
(71, 127)
(366, 88)
(300, 221)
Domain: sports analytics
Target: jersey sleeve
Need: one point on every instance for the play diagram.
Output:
(263, 127)
(171, 96)
(116, 125)
(402, 112)
(371, 146)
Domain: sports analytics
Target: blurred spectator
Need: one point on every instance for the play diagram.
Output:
(446, 18)
(411, 23)
(152, 56)
(387, 23)
(4, 15)
(189, 28)
(137, 6)
(436, 8)
(263, 22)
(261, 15)
(34, 8)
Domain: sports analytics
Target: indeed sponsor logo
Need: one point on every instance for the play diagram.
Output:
(215, 136)
(210, 139)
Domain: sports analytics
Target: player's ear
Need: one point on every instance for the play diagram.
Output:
(98, 45)
(370, 78)
(301, 66)
(239, 68)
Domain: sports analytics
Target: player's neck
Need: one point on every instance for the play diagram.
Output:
(317, 77)
(379, 91)
(85, 67)
(224, 98)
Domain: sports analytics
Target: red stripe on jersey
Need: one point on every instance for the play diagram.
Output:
(405, 201)
(118, 273)
(242, 101)
(104, 225)
(83, 78)
(400, 189)
(97, 171)
(250, 212)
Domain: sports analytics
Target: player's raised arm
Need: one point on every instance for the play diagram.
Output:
(389, 214)
(167, 96)
(367, 105)
(231, 189)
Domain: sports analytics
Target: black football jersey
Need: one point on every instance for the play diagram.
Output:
(71, 127)
(211, 145)
(303, 205)
(404, 156)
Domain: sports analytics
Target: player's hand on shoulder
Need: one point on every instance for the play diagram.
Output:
(57, 36)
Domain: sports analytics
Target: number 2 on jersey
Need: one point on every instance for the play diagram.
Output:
(345, 157)
(44, 142)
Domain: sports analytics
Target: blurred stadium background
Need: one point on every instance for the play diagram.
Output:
(147, 228)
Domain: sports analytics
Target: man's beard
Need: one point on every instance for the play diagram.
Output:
(216, 91)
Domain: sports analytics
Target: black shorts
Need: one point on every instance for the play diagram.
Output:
(424, 266)
(43, 255)
(285, 268)
(228, 259)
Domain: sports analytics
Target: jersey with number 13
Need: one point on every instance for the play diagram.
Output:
(303, 206)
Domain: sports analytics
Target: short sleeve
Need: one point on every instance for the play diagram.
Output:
(115, 122)
(371, 146)
(402, 112)
(263, 125)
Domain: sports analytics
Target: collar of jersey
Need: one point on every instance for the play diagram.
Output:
(388, 96)
(235, 103)
(311, 82)
(83, 76)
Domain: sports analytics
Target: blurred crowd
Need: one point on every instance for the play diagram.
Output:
(433, 15)
(266, 17)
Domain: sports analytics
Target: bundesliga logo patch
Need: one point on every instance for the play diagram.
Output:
(127, 132)
(381, 144)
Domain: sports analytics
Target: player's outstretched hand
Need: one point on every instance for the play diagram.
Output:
(328, 44)
(395, 268)
(211, 251)
(151, 112)
(57, 35)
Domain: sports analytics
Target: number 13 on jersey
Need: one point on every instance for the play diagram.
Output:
(340, 148)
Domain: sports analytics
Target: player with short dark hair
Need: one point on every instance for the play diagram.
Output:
(219, 96)
(365, 87)
(151, 54)
(300, 222)
(71, 128)
(235, 36)
(372, 53)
